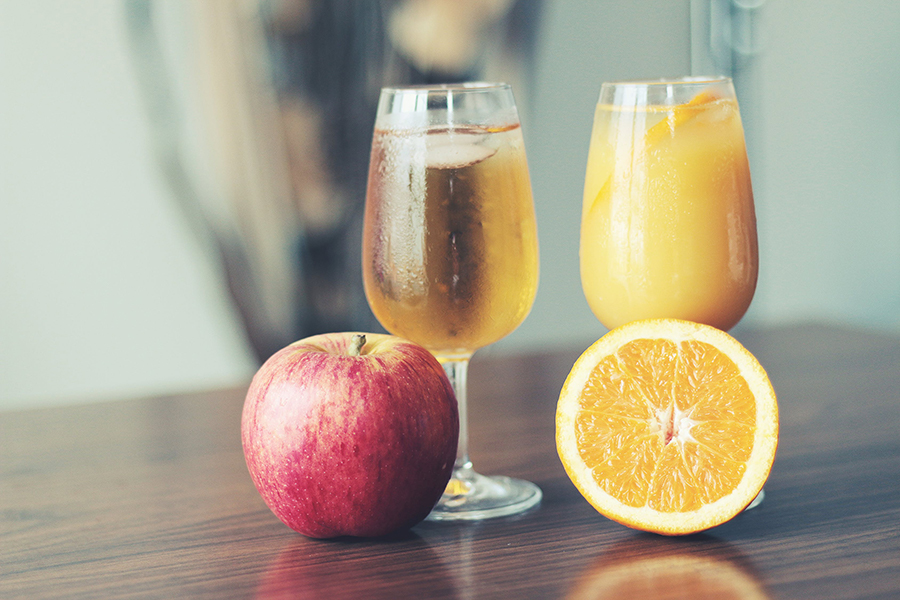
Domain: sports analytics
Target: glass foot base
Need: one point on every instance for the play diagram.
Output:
(757, 501)
(472, 497)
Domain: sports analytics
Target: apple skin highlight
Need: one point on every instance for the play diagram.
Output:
(338, 444)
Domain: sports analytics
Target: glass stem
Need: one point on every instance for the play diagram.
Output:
(457, 370)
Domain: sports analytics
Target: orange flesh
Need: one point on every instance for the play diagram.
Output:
(666, 425)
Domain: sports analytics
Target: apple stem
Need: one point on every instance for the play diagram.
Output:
(356, 343)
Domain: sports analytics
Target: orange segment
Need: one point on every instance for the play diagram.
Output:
(667, 426)
(677, 117)
(666, 128)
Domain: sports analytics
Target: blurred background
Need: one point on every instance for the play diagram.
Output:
(181, 181)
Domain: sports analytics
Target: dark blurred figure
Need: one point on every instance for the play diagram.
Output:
(287, 92)
(330, 58)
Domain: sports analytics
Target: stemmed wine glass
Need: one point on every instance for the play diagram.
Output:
(450, 256)
(668, 225)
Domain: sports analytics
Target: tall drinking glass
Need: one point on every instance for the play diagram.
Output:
(450, 256)
(668, 226)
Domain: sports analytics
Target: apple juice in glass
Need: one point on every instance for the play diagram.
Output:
(450, 256)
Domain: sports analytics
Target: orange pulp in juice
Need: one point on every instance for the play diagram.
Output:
(668, 223)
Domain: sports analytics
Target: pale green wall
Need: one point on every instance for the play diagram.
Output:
(105, 294)
(828, 165)
(825, 154)
(583, 43)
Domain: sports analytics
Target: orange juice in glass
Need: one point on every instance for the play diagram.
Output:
(668, 225)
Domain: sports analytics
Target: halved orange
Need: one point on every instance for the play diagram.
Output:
(667, 426)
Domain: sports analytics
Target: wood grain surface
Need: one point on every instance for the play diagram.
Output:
(150, 498)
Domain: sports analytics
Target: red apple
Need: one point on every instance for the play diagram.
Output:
(350, 434)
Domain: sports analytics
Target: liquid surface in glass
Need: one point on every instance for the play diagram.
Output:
(450, 256)
(668, 223)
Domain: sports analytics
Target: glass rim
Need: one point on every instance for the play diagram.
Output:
(665, 81)
(463, 86)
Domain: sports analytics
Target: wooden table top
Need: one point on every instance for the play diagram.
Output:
(151, 499)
